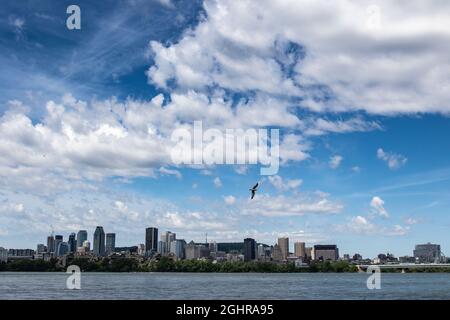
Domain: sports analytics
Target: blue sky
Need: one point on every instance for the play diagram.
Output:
(361, 102)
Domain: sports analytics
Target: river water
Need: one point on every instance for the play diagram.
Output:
(34, 285)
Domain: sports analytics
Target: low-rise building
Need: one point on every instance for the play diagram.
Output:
(427, 253)
(324, 252)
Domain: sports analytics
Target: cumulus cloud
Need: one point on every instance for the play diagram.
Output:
(363, 226)
(393, 160)
(322, 52)
(76, 140)
(170, 172)
(283, 206)
(217, 182)
(229, 200)
(377, 205)
(284, 184)
(335, 161)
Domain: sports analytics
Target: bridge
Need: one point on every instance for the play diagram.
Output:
(404, 266)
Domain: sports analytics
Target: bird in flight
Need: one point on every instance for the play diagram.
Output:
(254, 189)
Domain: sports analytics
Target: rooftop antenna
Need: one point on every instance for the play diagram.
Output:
(53, 232)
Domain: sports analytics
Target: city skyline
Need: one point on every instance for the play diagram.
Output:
(103, 247)
(87, 118)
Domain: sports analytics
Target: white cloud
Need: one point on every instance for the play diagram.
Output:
(356, 169)
(196, 221)
(284, 184)
(377, 205)
(393, 160)
(282, 206)
(363, 226)
(241, 169)
(12, 207)
(322, 52)
(411, 221)
(335, 161)
(217, 182)
(320, 126)
(229, 200)
(165, 171)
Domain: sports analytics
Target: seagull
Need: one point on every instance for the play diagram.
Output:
(254, 189)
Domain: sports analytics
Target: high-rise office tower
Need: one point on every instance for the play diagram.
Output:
(151, 239)
(110, 243)
(283, 243)
(177, 247)
(82, 236)
(300, 249)
(58, 240)
(62, 248)
(249, 249)
(50, 244)
(99, 241)
(72, 242)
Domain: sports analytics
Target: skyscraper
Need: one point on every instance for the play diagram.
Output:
(99, 241)
(249, 249)
(283, 243)
(177, 247)
(72, 242)
(58, 240)
(82, 236)
(110, 243)
(300, 249)
(151, 239)
(62, 248)
(50, 244)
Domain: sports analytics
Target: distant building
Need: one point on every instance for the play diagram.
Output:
(249, 249)
(21, 253)
(162, 248)
(141, 249)
(110, 243)
(50, 244)
(62, 249)
(82, 236)
(192, 251)
(58, 240)
(277, 254)
(72, 242)
(283, 243)
(406, 259)
(151, 240)
(357, 257)
(41, 248)
(427, 252)
(325, 252)
(300, 249)
(213, 246)
(205, 252)
(3, 255)
(166, 239)
(87, 245)
(308, 252)
(177, 247)
(99, 241)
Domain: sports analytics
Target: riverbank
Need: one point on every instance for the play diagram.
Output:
(168, 265)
